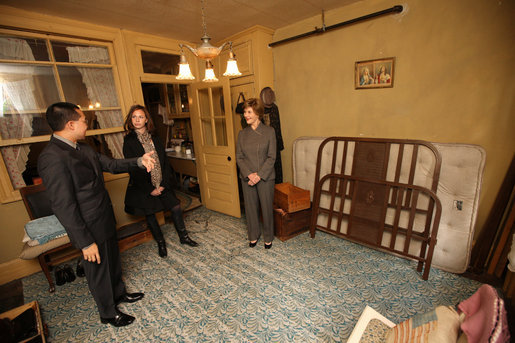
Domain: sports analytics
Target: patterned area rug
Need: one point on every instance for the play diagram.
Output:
(188, 202)
(302, 290)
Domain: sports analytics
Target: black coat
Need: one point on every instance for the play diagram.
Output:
(75, 187)
(138, 200)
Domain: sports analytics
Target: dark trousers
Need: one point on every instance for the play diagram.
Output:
(258, 196)
(105, 279)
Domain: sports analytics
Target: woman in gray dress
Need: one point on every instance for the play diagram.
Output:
(255, 156)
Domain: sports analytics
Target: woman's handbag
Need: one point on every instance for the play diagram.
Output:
(239, 104)
(239, 109)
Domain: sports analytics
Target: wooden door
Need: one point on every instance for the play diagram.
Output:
(215, 146)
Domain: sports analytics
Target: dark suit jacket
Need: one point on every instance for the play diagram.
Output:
(75, 187)
(140, 184)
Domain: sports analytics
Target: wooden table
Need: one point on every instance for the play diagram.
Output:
(184, 164)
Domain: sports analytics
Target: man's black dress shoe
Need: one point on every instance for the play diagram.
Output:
(69, 276)
(121, 319)
(187, 240)
(60, 276)
(129, 298)
(80, 268)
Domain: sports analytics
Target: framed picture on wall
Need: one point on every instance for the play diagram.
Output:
(374, 73)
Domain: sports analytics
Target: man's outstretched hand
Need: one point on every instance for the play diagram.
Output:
(148, 161)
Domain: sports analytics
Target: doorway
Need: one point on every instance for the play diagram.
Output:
(168, 105)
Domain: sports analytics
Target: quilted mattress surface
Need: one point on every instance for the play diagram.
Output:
(458, 190)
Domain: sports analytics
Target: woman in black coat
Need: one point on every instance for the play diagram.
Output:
(149, 193)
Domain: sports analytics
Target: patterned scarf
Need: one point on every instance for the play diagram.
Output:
(155, 174)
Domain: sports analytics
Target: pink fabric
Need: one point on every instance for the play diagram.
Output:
(486, 319)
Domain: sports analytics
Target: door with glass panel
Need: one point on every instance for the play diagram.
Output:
(212, 124)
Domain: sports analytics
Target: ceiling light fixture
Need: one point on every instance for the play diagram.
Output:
(207, 52)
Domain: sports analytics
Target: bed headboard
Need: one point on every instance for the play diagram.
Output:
(458, 188)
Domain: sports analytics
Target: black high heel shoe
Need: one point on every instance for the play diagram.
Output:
(252, 244)
(161, 247)
(187, 240)
(268, 246)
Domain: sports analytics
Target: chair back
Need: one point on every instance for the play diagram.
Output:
(36, 201)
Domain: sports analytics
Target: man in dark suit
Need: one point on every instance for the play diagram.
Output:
(72, 174)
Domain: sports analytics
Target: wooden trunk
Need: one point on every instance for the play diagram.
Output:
(291, 198)
(288, 225)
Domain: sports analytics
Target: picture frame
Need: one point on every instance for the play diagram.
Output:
(378, 73)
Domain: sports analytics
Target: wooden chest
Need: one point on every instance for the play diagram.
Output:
(290, 198)
(288, 225)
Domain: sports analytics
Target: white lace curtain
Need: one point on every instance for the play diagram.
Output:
(19, 89)
(100, 87)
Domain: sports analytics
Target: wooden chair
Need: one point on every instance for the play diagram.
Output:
(53, 252)
(60, 249)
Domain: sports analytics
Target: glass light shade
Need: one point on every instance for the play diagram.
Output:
(232, 68)
(185, 72)
(210, 76)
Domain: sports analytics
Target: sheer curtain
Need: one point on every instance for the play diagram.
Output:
(100, 87)
(18, 88)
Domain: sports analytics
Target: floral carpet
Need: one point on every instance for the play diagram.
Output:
(301, 290)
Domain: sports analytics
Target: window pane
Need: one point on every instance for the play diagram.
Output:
(88, 86)
(26, 88)
(106, 144)
(16, 126)
(103, 119)
(220, 125)
(203, 102)
(207, 134)
(21, 163)
(185, 104)
(70, 52)
(217, 101)
(221, 132)
(171, 99)
(159, 63)
(21, 160)
(22, 48)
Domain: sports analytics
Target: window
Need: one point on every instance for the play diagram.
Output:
(38, 70)
(160, 63)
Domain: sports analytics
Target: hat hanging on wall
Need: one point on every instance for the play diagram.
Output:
(267, 96)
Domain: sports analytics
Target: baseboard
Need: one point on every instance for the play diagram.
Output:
(17, 269)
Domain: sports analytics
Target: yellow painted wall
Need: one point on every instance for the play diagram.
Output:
(455, 62)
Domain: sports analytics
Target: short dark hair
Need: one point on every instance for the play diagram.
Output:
(257, 105)
(58, 114)
(128, 126)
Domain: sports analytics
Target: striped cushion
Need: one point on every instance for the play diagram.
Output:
(438, 326)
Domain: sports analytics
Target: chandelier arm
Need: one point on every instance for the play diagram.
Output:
(223, 46)
(193, 50)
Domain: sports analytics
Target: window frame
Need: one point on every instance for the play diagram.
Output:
(7, 192)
